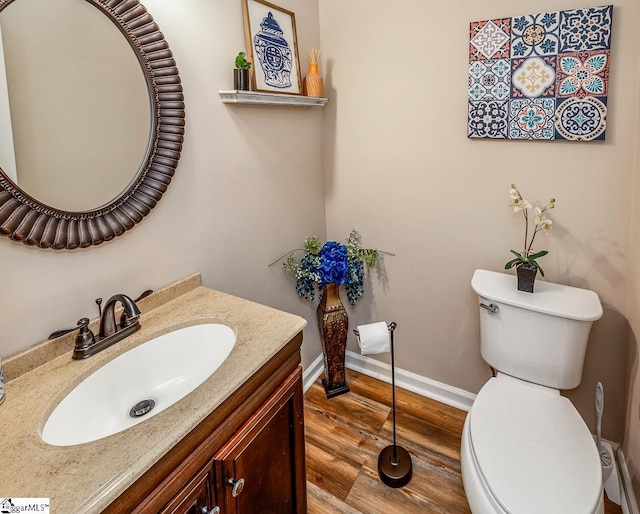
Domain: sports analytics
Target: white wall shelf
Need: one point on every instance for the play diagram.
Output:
(258, 98)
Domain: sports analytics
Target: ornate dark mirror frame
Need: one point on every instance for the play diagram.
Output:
(25, 219)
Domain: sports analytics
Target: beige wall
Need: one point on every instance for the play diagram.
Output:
(248, 188)
(631, 445)
(398, 166)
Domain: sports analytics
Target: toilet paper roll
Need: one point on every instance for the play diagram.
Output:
(374, 338)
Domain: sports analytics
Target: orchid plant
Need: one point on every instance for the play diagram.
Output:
(331, 262)
(541, 223)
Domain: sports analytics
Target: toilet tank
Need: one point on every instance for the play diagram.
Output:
(539, 337)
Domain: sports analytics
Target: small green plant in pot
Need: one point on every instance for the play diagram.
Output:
(526, 261)
(241, 72)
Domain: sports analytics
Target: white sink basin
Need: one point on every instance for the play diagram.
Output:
(162, 370)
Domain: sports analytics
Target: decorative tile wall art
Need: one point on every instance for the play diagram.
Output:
(540, 76)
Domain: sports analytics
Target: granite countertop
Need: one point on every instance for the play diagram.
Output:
(87, 478)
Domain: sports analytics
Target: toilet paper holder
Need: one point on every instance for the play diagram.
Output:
(391, 326)
(395, 468)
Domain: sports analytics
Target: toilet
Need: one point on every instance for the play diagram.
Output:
(525, 448)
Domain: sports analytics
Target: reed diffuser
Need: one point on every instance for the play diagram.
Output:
(313, 83)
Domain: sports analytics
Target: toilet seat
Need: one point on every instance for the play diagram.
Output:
(533, 450)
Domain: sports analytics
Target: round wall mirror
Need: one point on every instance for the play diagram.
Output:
(91, 120)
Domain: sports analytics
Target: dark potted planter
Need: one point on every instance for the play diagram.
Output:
(526, 273)
(241, 80)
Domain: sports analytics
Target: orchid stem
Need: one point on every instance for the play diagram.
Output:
(526, 233)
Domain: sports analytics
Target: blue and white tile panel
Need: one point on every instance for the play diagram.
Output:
(540, 76)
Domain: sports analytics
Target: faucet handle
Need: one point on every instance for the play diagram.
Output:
(83, 324)
(143, 295)
(85, 336)
(126, 321)
(84, 340)
(60, 333)
(130, 314)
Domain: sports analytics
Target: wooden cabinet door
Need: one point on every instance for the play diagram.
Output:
(261, 469)
(194, 498)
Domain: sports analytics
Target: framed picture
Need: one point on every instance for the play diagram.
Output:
(272, 47)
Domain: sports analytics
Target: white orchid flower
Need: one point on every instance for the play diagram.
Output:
(545, 224)
(542, 222)
(513, 193)
(520, 205)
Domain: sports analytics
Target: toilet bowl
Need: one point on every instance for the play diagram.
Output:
(525, 448)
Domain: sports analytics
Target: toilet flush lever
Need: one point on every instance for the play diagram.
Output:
(492, 307)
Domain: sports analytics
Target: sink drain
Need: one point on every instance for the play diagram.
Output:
(141, 408)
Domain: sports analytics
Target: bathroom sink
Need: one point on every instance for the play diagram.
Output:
(139, 384)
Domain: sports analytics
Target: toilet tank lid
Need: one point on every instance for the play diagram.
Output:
(548, 298)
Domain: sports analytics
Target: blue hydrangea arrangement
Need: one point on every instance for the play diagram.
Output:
(331, 263)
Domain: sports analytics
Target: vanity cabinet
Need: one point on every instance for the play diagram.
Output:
(246, 457)
(261, 468)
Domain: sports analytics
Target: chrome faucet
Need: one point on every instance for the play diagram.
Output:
(87, 344)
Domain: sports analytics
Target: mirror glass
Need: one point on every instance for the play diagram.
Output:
(75, 109)
(93, 157)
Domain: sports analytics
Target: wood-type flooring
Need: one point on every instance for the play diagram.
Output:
(345, 434)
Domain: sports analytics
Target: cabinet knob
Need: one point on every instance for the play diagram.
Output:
(205, 510)
(237, 486)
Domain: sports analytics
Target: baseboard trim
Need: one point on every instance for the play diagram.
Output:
(453, 396)
(629, 503)
(313, 371)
